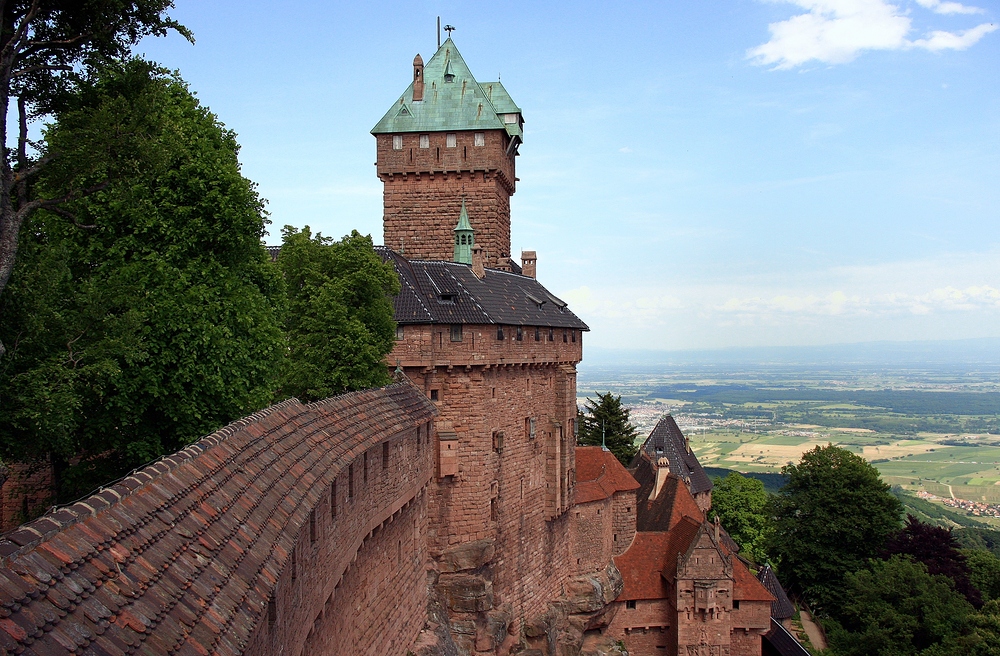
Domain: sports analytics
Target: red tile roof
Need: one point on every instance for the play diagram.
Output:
(184, 554)
(673, 502)
(746, 586)
(599, 474)
(651, 561)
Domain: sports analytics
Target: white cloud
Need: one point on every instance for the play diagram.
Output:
(837, 31)
(939, 7)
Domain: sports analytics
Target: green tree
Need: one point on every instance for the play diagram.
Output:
(984, 572)
(896, 608)
(741, 504)
(340, 320)
(153, 316)
(48, 49)
(606, 417)
(831, 517)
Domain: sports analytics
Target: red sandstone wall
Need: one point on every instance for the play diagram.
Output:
(423, 190)
(623, 528)
(516, 496)
(591, 535)
(25, 494)
(647, 629)
(357, 582)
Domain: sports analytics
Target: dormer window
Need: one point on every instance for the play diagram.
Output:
(446, 299)
(451, 140)
(510, 118)
(397, 142)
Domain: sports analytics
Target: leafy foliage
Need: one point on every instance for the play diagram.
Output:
(157, 322)
(937, 549)
(897, 608)
(741, 504)
(831, 517)
(984, 572)
(607, 416)
(340, 321)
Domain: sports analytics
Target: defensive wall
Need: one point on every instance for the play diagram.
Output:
(297, 530)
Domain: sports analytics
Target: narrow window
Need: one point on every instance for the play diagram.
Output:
(564, 335)
(425, 141)
(364, 463)
(493, 392)
(520, 334)
(350, 481)
(499, 332)
(494, 511)
(399, 332)
(538, 334)
(573, 332)
(385, 455)
(551, 338)
(451, 140)
(397, 142)
(498, 441)
(531, 428)
(312, 526)
(434, 395)
(630, 604)
(479, 139)
(418, 439)
(295, 563)
(736, 604)
(272, 612)
(333, 500)
(456, 332)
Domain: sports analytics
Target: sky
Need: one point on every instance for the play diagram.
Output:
(694, 175)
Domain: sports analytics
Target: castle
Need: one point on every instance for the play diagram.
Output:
(449, 513)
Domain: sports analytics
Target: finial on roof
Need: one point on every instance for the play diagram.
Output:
(604, 445)
(449, 29)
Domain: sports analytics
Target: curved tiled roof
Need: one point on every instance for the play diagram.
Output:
(182, 556)
(449, 292)
(599, 475)
(667, 440)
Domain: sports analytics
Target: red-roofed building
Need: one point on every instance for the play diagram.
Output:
(603, 520)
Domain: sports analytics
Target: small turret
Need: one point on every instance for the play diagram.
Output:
(464, 238)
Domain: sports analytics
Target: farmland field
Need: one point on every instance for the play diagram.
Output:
(933, 431)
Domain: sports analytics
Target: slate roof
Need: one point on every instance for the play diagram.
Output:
(782, 643)
(673, 502)
(782, 608)
(182, 556)
(599, 475)
(461, 104)
(667, 440)
(448, 292)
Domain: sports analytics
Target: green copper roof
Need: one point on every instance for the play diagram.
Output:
(463, 219)
(461, 104)
(499, 97)
(464, 238)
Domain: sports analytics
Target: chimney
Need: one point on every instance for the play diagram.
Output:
(528, 259)
(662, 471)
(418, 78)
(717, 529)
(477, 261)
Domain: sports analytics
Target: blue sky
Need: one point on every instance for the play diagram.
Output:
(694, 175)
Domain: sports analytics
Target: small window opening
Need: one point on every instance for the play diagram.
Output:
(564, 336)
(333, 500)
(451, 140)
(520, 334)
(434, 395)
(295, 563)
(399, 332)
(736, 604)
(614, 538)
(498, 441)
(425, 141)
(456, 332)
(538, 334)
(630, 604)
(397, 142)
(494, 511)
(272, 612)
(499, 332)
(493, 392)
(551, 338)
(385, 455)
(364, 473)
(573, 333)
(312, 526)
(350, 481)
(479, 139)
(529, 428)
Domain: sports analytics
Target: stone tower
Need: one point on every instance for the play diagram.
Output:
(446, 139)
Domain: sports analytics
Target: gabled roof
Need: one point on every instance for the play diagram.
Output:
(651, 561)
(599, 475)
(449, 292)
(667, 440)
(782, 607)
(672, 504)
(184, 554)
(461, 104)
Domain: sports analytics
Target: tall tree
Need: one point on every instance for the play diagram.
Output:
(607, 420)
(741, 504)
(157, 322)
(48, 48)
(832, 515)
(984, 572)
(896, 608)
(340, 316)
(938, 550)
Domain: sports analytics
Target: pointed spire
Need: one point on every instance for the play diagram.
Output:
(464, 237)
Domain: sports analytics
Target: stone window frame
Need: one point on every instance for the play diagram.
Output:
(450, 140)
(424, 141)
(397, 142)
(456, 332)
(479, 139)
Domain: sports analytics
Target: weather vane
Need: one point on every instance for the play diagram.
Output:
(449, 29)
